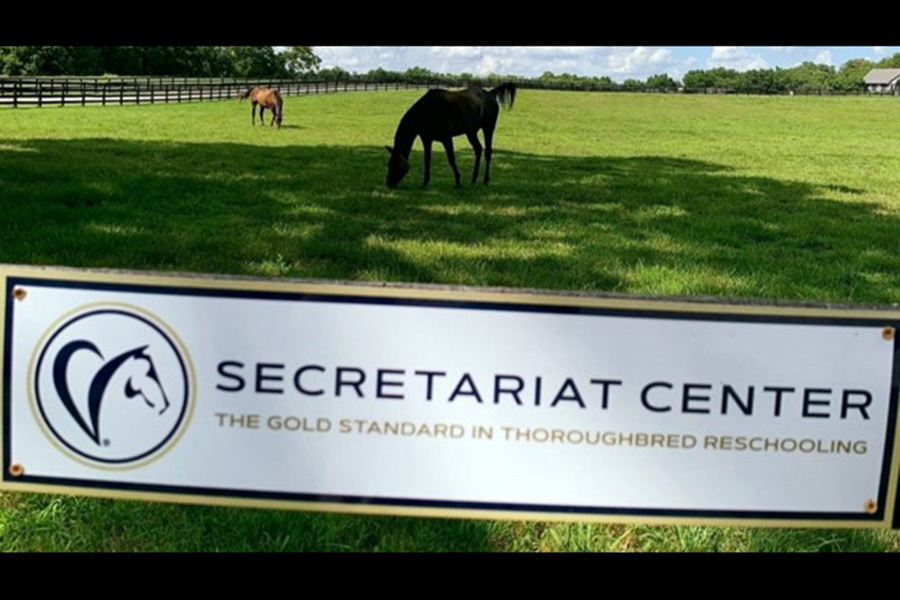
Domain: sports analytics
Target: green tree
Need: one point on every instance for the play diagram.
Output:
(382, 76)
(41, 60)
(762, 81)
(255, 61)
(661, 82)
(809, 77)
(850, 77)
(333, 74)
(420, 75)
(891, 62)
(718, 78)
(300, 60)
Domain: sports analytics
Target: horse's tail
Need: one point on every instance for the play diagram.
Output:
(505, 94)
(280, 101)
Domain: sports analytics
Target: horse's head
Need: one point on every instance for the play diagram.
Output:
(398, 167)
(245, 94)
(143, 381)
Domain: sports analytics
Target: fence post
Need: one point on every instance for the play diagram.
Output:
(103, 93)
(40, 94)
(16, 87)
(83, 93)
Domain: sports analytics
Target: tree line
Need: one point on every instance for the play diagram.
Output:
(302, 63)
(173, 61)
(807, 77)
(804, 78)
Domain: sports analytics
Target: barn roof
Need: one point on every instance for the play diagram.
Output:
(882, 76)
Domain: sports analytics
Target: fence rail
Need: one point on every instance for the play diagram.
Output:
(62, 91)
(37, 91)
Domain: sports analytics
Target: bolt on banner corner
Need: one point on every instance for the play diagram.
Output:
(433, 402)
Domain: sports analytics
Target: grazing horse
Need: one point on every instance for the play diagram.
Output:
(266, 98)
(440, 116)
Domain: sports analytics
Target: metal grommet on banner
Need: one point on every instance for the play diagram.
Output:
(888, 333)
(19, 293)
(871, 506)
(16, 470)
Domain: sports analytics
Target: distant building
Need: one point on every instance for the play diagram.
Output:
(883, 81)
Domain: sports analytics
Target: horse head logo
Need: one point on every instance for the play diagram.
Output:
(112, 385)
(133, 371)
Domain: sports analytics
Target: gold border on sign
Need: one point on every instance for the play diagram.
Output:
(499, 297)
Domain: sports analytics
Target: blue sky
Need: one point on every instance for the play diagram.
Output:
(617, 62)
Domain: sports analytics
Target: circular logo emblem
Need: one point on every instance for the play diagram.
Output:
(112, 386)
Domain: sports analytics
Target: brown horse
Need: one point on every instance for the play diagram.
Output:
(265, 98)
(440, 116)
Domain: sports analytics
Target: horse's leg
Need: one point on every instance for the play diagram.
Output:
(253, 115)
(488, 151)
(262, 115)
(451, 157)
(476, 146)
(427, 145)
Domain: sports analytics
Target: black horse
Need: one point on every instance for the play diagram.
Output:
(440, 116)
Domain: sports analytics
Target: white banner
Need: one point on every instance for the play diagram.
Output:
(447, 402)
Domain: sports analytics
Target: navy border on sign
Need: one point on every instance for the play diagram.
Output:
(361, 294)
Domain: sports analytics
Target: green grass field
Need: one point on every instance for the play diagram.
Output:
(788, 198)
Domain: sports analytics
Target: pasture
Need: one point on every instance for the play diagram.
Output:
(787, 198)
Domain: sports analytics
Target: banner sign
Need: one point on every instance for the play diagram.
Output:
(465, 403)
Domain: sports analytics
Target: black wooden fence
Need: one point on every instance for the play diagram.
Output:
(59, 91)
(62, 91)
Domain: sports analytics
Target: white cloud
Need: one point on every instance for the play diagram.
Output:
(529, 61)
(824, 58)
(639, 60)
(486, 66)
(879, 49)
(735, 57)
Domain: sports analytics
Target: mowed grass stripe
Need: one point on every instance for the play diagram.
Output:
(789, 198)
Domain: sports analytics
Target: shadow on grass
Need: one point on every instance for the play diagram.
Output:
(642, 224)
(636, 224)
